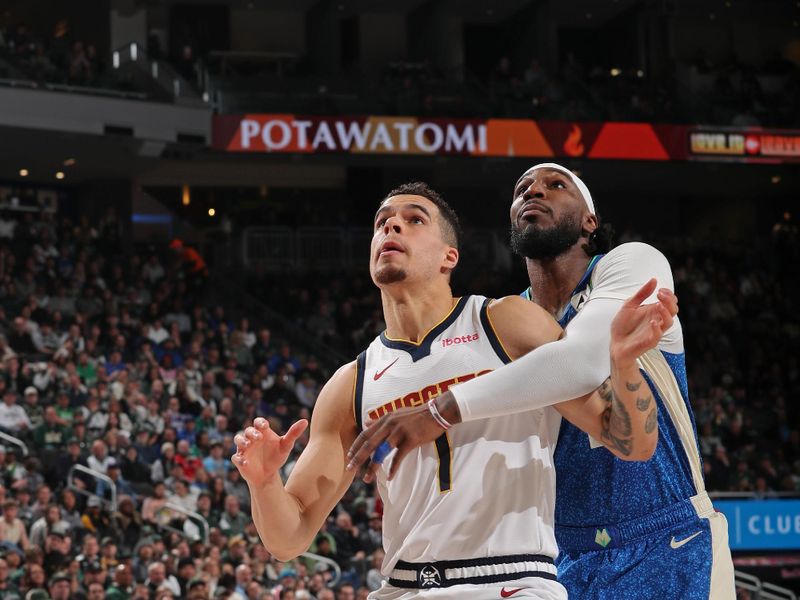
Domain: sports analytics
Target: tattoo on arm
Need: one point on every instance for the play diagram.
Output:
(643, 404)
(632, 387)
(616, 420)
(652, 421)
(620, 420)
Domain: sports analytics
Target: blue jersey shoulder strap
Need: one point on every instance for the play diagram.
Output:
(572, 310)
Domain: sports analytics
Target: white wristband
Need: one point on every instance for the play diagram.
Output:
(437, 416)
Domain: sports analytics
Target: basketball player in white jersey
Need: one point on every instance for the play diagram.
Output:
(470, 515)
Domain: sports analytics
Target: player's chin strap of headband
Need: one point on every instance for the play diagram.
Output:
(587, 196)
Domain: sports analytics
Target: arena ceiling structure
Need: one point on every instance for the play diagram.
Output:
(154, 137)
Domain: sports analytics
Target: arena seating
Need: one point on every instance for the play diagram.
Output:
(115, 371)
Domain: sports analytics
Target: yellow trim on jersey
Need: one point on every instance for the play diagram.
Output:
(494, 331)
(424, 337)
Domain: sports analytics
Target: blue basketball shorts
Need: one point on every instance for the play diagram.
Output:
(680, 552)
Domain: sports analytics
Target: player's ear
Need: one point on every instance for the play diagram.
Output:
(450, 258)
(589, 223)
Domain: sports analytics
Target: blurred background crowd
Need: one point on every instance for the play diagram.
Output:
(115, 361)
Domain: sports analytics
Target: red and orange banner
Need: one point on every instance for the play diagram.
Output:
(285, 133)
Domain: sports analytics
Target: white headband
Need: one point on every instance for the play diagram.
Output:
(587, 197)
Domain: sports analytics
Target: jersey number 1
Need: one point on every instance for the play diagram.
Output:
(445, 462)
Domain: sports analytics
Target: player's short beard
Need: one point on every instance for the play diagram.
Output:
(540, 243)
(389, 274)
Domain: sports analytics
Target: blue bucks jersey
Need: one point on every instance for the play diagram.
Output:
(593, 486)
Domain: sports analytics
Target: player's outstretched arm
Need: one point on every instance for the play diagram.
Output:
(622, 413)
(288, 517)
(578, 363)
(523, 326)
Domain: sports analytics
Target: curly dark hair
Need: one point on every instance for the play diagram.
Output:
(451, 228)
(601, 240)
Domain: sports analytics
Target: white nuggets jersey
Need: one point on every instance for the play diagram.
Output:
(485, 488)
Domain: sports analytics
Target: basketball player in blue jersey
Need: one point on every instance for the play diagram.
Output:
(625, 530)
(470, 515)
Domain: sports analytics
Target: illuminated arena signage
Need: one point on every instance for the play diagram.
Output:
(762, 524)
(748, 145)
(284, 133)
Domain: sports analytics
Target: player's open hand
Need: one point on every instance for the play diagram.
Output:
(403, 429)
(260, 452)
(638, 327)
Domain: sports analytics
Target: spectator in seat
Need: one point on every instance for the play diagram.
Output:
(13, 419)
(45, 339)
(232, 521)
(162, 468)
(154, 420)
(94, 573)
(65, 415)
(307, 389)
(157, 333)
(244, 576)
(69, 509)
(348, 543)
(152, 271)
(216, 463)
(7, 587)
(12, 529)
(157, 576)
(99, 459)
(284, 358)
(64, 461)
(50, 435)
(95, 519)
(236, 486)
(134, 470)
(375, 578)
(124, 487)
(20, 338)
(184, 459)
(262, 350)
(191, 263)
(32, 407)
(115, 363)
(122, 588)
(90, 551)
(108, 553)
(56, 549)
(41, 526)
(185, 572)
(44, 497)
(372, 537)
(183, 495)
(154, 504)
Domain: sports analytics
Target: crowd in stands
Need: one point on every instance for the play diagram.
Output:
(697, 91)
(57, 58)
(111, 364)
(742, 335)
(700, 90)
